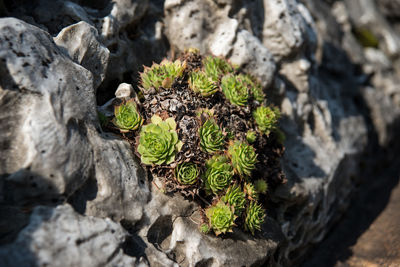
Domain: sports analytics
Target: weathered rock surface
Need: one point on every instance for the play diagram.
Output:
(81, 43)
(53, 149)
(61, 237)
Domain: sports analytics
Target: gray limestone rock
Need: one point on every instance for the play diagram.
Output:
(44, 112)
(53, 145)
(61, 237)
(80, 42)
(54, 150)
(288, 27)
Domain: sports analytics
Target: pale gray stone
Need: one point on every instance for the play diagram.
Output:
(125, 91)
(53, 149)
(80, 42)
(61, 237)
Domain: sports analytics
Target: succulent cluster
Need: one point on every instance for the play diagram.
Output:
(205, 128)
(161, 75)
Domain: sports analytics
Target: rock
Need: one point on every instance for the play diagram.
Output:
(124, 91)
(206, 26)
(44, 113)
(169, 220)
(61, 237)
(249, 53)
(80, 42)
(336, 98)
(117, 23)
(365, 15)
(287, 28)
(52, 146)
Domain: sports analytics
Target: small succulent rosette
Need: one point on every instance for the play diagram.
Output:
(158, 141)
(221, 217)
(126, 117)
(187, 173)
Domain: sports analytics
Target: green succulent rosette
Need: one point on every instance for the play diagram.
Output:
(158, 142)
(251, 136)
(235, 197)
(266, 119)
(215, 67)
(235, 90)
(205, 228)
(127, 118)
(219, 173)
(243, 157)
(254, 86)
(211, 137)
(250, 191)
(200, 83)
(187, 173)
(255, 215)
(161, 75)
(221, 218)
(261, 186)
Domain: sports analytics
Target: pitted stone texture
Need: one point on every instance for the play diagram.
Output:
(52, 146)
(121, 182)
(132, 31)
(199, 24)
(288, 27)
(61, 237)
(80, 42)
(207, 26)
(255, 58)
(172, 226)
(46, 100)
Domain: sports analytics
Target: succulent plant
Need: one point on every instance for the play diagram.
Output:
(219, 173)
(251, 136)
(250, 191)
(266, 119)
(158, 141)
(221, 217)
(187, 173)
(235, 90)
(204, 228)
(235, 197)
(254, 86)
(200, 83)
(211, 137)
(243, 157)
(127, 117)
(215, 67)
(255, 215)
(162, 74)
(261, 186)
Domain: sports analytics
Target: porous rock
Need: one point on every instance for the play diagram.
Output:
(53, 147)
(61, 237)
(81, 43)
